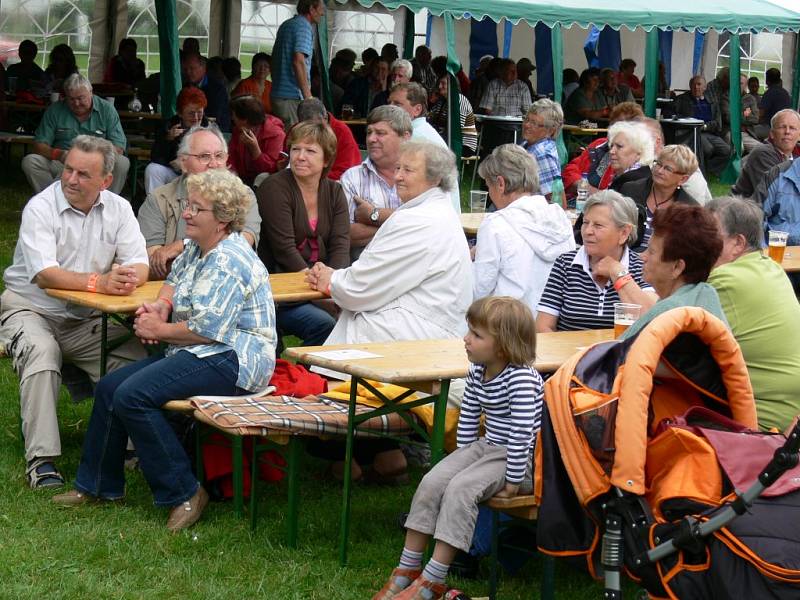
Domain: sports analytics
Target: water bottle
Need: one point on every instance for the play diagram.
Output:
(135, 105)
(583, 193)
(557, 193)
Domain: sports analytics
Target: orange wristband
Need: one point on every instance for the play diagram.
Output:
(91, 285)
(56, 153)
(622, 281)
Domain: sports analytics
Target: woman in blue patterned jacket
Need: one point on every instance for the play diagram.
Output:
(216, 315)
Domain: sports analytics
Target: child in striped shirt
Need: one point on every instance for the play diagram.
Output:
(504, 387)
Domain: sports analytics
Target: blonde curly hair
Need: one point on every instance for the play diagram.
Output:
(230, 198)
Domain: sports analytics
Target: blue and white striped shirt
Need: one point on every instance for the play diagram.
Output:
(512, 403)
(225, 296)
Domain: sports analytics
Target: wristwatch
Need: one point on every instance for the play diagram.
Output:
(619, 274)
(375, 214)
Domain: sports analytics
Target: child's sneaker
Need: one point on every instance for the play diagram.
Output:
(422, 589)
(391, 589)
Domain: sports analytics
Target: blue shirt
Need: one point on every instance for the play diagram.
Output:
(294, 35)
(546, 154)
(225, 296)
(782, 204)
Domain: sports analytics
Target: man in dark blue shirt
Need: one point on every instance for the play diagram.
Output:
(194, 66)
(693, 104)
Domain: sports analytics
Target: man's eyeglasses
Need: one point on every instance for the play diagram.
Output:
(667, 168)
(193, 209)
(206, 157)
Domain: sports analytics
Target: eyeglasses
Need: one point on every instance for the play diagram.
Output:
(667, 168)
(532, 123)
(193, 209)
(206, 157)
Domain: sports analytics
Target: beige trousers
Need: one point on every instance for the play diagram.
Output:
(38, 343)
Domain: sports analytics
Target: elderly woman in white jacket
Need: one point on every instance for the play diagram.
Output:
(413, 280)
(518, 244)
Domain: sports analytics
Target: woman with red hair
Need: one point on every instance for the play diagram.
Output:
(191, 105)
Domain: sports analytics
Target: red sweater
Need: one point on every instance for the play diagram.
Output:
(270, 139)
(571, 174)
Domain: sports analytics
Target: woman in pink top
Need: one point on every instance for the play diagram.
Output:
(257, 140)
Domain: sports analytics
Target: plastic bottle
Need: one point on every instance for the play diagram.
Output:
(135, 105)
(583, 193)
(557, 192)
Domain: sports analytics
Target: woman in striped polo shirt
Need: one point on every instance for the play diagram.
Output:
(585, 283)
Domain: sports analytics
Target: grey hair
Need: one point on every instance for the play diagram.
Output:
(551, 111)
(90, 143)
(76, 81)
(638, 135)
(623, 210)
(777, 115)
(517, 168)
(402, 63)
(395, 116)
(311, 108)
(739, 216)
(186, 140)
(440, 162)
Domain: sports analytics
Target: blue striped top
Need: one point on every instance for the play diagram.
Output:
(512, 404)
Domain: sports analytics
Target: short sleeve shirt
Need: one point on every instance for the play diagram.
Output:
(364, 181)
(507, 100)
(546, 154)
(54, 234)
(294, 35)
(572, 295)
(226, 296)
(59, 126)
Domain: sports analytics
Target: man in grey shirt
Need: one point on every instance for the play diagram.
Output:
(164, 230)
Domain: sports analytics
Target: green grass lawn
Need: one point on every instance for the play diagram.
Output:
(125, 551)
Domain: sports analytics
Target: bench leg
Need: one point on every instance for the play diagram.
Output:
(548, 591)
(494, 555)
(238, 475)
(294, 456)
(344, 530)
(253, 484)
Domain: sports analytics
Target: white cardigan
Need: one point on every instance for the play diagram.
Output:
(413, 280)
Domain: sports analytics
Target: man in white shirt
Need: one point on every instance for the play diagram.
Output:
(369, 187)
(413, 99)
(74, 235)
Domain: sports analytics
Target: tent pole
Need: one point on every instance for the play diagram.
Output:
(651, 72)
(453, 89)
(796, 72)
(324, 61)
(166, 15)
(731, 172)
(557, 42)
(408, 41)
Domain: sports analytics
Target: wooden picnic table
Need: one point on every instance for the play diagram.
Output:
(791, 259)
(470, 222)
(286, 287)
(584, 131)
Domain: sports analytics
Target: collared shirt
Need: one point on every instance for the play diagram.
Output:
(59, 126)
(438, 118)
(365, 182)
(546, 154)
(294, 35)
(782, 203)
(226, 296)
(506, 100)
(572, 294)
(54, 234)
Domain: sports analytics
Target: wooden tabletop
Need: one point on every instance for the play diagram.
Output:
(292, 287)
(431, 360)
(791, 259)
(578, 130)
(471, 221)
(110, 304)
(354, 121)
(129, 114)
(286, 287)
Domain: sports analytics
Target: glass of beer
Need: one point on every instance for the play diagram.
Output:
(777, 245)
(625, 315)
(347, 112)
(477, 201)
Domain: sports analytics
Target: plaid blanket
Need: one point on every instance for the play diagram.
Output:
(312, 415)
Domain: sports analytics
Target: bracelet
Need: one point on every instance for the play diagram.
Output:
(91, 285)
(168, 301)
(56, 153)
(622, 281)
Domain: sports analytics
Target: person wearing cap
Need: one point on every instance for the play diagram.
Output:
(525, 69)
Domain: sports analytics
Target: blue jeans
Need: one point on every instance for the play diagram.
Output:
(128, 402)
(308, 322)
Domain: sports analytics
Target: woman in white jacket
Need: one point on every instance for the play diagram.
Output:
(518, 244)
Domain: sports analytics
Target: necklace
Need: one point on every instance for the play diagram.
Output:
(664, 201)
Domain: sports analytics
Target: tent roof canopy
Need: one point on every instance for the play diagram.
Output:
(735, 16)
